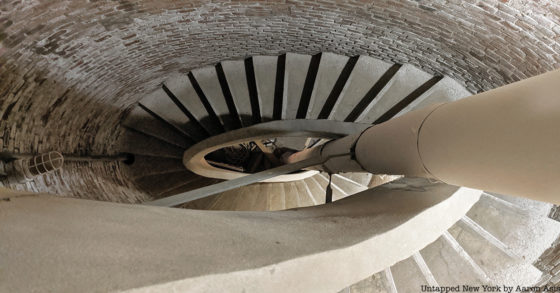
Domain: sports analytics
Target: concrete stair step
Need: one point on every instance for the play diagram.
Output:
(493, 257)
(515, 228)
(209, 83)
(445, 90)
(138, 143)
(407, 79)
(489, 245)
(278, 196)
(237, 80)
(166, 182)
(265, 77)
(323, 181)
(338, 191)
(348, 186)
(361, 179)
(408, 276)
(305, 198)
(160, 103)
(148, 165)
(197, 182)
(330, 68)
(375, 283)
(141, 120)
(182, 89)
(247, 198)
(316, 189)
(365, 74)
(451, 265)
(537, 208)
(297, 66)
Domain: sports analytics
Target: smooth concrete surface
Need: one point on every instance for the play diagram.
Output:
(265, 78)
(330, 68)
(160, 103)
(515, 227)
(181, 86)
(236, 77)
(207, 79)
(495, 260)
(365, 74)
(106, 247)
(405, 81)
(504, 141)
(317, 192)
(407, 276)
(297, 66)
(392, 147)
(138, 143)
(448, 266)
(139, 119)
(377, 283)
(444, 91)
(535, 207)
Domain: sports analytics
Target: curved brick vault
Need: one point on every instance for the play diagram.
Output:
(69, 70)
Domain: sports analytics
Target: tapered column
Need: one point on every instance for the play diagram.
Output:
(505, 140)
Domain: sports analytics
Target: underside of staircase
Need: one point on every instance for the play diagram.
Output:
(496, 242)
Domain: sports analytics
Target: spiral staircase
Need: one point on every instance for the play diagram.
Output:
(495, 242)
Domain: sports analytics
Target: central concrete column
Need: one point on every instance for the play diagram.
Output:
(505, 140)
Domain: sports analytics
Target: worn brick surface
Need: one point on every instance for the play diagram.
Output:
(549, 263)
(69, 69)
(90, 180)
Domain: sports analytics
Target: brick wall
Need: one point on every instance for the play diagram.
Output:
(68, 69)
(549, 263)
(96, 180)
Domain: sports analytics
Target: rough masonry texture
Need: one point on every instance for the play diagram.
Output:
(69, 70)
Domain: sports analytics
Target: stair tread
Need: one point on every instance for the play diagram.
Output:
(183, 89)
(159, 184)
(277, 196)
(305, 199)
(338, 191)
(160, 103)
(141, 144)
(366, 73)
(347, 186)
(515, 228)
(315, 189)
(265, 76)
(406, 80)
(208, 81)
(237, 80)
(296, 72)
(492, 260)
(330, 68)
(448, 267)
(240, 199)
(197, 182)
(142, 121)
(200, 204)
(445, 90)
(146, 165)
(323, 181)
(375, 283)
(291, 195)
(408, 276)
(361, 178)
(535, 207)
